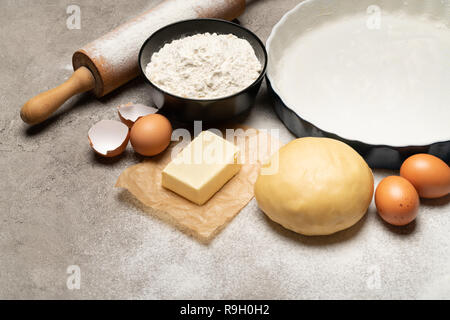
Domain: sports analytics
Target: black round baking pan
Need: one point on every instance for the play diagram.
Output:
(377, 156)
(212, 110)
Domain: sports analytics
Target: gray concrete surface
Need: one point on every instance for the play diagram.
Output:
(58, 206)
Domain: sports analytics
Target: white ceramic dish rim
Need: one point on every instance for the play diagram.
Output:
(269, 41)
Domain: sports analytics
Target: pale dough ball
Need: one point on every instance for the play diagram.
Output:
(321, 186)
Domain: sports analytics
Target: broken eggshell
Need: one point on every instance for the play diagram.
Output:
(130, 113)
(109, 138)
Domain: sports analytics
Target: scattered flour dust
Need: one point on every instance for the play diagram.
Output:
(204, 66)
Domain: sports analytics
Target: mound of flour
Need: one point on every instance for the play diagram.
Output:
(204, 66)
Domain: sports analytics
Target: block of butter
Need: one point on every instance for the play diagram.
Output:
(202, 168)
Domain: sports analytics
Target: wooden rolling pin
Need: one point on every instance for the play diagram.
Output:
(112, 60)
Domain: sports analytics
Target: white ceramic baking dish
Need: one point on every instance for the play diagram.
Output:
(372, 73)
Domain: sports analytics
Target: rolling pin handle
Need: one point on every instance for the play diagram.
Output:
(39, 108)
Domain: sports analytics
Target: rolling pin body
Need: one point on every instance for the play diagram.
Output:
(112, 60)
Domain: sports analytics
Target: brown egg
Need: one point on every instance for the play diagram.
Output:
(151, 135)
(397, 200)
(428, 174)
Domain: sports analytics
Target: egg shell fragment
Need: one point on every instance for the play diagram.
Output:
(109, 138)
(428, 174)
(130, 113)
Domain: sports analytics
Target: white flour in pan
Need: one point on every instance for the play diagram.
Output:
(204, 66)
